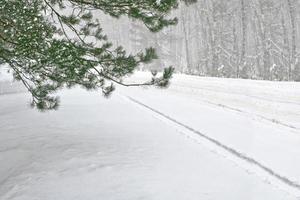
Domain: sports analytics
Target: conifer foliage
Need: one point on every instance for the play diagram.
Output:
(50, 44)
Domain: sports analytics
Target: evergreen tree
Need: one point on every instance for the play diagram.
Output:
(50, 44)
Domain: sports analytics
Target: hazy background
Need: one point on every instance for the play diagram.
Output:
(255, 39)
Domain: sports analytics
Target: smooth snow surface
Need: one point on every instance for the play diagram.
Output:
(128, 148)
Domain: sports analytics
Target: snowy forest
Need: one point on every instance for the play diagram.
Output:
(149, 99)
(251, 39)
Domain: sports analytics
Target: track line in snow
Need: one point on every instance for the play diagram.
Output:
(289, 185)
(271, 120)
(275, 121)
(239, 94)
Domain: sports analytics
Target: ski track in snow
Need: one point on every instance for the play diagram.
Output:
(254, 115)
(275, 121)
(289, 185)
(236, 93)
(273, 102)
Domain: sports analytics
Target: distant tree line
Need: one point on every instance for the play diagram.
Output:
(252, 39)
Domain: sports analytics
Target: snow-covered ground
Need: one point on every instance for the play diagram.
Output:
(278, 102)
(203, 138)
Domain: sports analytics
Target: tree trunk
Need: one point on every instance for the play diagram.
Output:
(243, 46)
(186, 40)
(291, 7)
